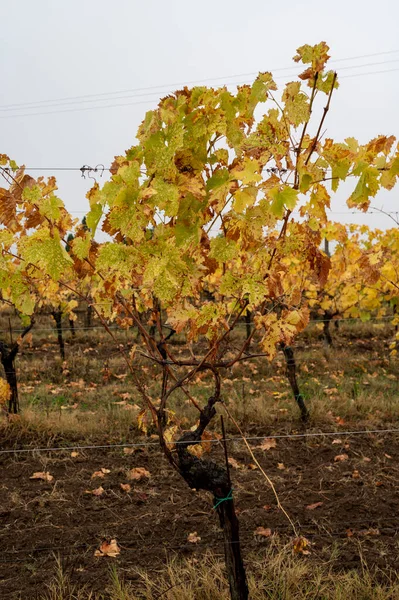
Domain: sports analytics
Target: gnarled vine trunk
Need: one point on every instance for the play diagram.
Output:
(203, 474)
(72, 327)
(57, 316)
(7, 358)
(291, 374)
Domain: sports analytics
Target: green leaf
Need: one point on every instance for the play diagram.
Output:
(287, 197)
(223, 249)
(218, 179)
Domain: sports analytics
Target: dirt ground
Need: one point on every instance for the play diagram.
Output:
(356, 517)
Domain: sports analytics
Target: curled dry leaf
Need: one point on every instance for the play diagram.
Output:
(267, 444)
(193, 538)
(371, 531)
(263, 531)
(126, 487)
(97, 492)
(314, 505)
(128, 451)
(355, 474)
(234, 463)
(281, 466)
(138, 473)
(74, 454)
(44, 476)
(101, 473)
(301, 545)
(110, 548)
(341, 457)
(337, 441)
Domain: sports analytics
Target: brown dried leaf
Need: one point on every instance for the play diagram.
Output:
(313, 506)
(193, 538)
(263, 531)
(234, 463)
(108, 549)
(44, 476)
(126, 487)
(341, 457)
(128, 451)
(138, 473)
(97, 492)
(267, 444)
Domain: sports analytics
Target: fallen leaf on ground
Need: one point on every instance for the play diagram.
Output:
(281, 466)
(44, 476)
(300, 546)
(267, 507)
(74, 454)
(138, 473)
(101, 473)
(341, 457)
(337, 441)
(234, 463)
(355, 474)
(267, 444)
(128, 450)
(349, 532)
(193, 538)
(126, 487)
(371, 531)
(97, 492)
(263, 531)
(108, 549)
(313, 506)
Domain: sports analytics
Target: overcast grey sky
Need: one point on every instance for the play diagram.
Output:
(52, 50)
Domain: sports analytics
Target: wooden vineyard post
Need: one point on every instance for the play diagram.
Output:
(231, 536)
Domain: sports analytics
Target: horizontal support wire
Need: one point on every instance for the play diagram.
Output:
(240, 323)
(281, 436)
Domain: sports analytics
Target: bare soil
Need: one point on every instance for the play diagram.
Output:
(358, 514)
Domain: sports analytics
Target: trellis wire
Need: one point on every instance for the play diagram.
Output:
(240, 323)
(213, 441)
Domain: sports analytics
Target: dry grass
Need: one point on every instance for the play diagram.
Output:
(276, 576)
(356, 383)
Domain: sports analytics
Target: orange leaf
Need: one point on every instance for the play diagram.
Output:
(341, 457)
(44, 476)
(97, 492)
(126, 487)
(138, 473)
(108, 549)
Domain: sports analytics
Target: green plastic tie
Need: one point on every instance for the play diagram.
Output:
(228, 497)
